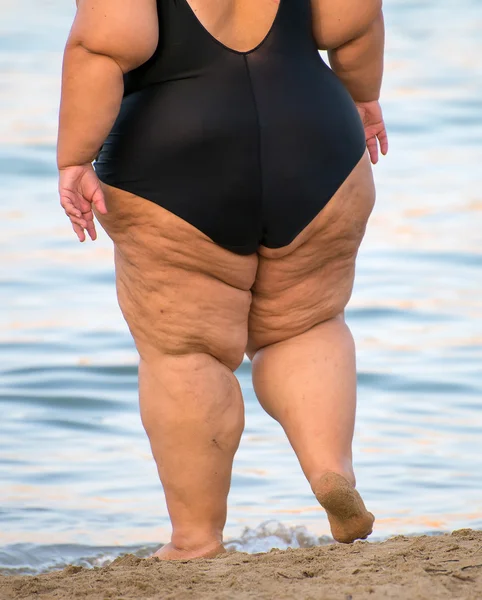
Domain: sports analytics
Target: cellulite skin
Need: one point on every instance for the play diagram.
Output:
(236, 189)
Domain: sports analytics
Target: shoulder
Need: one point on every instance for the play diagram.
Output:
(125, 30)
(336, 22)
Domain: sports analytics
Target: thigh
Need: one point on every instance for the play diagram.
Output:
(179, 292)
(311, 280)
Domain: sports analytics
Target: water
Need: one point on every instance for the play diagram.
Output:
(77, 482)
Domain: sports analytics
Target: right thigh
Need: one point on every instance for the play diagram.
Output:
(180, 293)
(311, 280)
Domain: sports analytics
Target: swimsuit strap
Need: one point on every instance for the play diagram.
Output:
(292, 19)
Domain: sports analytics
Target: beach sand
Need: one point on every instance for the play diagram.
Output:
(443, 566)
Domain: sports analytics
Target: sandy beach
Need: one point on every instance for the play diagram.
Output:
(445, 566)
(79, 485)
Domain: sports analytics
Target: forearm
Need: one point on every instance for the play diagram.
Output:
(92, 90)
(359, 63)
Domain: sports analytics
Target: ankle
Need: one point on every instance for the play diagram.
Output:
(184, 542)
(346, 473)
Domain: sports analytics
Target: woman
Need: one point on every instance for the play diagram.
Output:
(232, 175)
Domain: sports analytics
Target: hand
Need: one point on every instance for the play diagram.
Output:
(372, 119)
(79, 189)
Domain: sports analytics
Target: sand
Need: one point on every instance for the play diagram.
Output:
(445, 566)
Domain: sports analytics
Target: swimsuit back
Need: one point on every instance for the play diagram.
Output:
(248, 147)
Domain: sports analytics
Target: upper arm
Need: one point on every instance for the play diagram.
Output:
(336, 22)
(125, 30)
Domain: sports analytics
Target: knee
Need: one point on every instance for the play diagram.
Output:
(195, 357)
(266, 336)
(194, 386)
(174, 373)
(231, 352)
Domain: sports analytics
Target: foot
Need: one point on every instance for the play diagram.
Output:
(348, 517)
(170, 552)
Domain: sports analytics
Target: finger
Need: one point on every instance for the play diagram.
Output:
(88, 215)
(84, 205)
(91, 230)
(383, 139)
(80, 222)
(79, 232)
(98, 201)
(372, 146)
(70, 209)
(89, 219)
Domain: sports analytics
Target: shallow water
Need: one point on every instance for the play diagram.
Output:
(77, 482)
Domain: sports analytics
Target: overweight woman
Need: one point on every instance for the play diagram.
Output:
(229, 165)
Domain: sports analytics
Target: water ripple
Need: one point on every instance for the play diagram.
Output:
(75, 465)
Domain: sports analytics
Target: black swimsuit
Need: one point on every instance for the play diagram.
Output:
(246, 146)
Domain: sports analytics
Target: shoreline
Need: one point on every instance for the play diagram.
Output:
(402, 567)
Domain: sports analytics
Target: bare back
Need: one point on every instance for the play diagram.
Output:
(243, 24)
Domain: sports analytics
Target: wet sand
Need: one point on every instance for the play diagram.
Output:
(409, 568)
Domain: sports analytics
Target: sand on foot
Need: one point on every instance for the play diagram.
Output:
(349, 519)
(406, 568)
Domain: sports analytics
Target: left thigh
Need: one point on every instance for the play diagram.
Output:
(180, 293)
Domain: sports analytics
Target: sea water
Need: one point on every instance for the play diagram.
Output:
(77, 481)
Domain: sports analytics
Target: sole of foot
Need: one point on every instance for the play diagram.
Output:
(169, 552)
(348, 517)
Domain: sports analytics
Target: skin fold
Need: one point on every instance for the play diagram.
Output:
(194, 309)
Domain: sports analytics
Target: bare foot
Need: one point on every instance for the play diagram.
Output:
(348, 517)
(169, 552)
